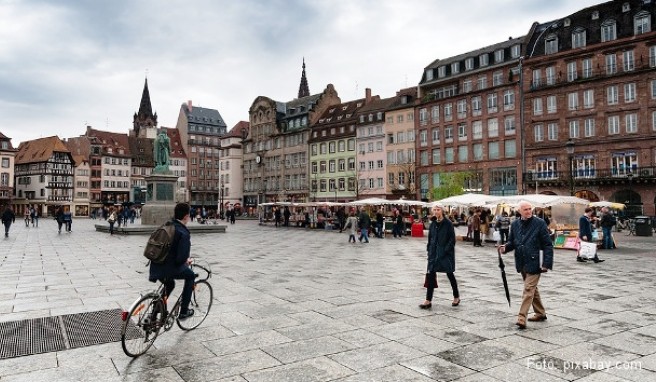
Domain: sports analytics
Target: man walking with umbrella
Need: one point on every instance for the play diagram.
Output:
(528, 236)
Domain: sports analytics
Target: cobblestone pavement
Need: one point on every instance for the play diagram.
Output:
(304, 305)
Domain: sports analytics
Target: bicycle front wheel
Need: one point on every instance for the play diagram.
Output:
(201, 302)
(141, 326)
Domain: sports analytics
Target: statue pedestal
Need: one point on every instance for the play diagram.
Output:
(160, 198)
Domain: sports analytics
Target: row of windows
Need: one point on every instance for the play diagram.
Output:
(332, 166)
(491, 126)
(492, 103)
(115, 184)
(118, 161)
(587, 127)
(332, 147)
(113, 172)
(410, 117)
(469, 63)
(332, 185)
(462, 152)
(585, 165)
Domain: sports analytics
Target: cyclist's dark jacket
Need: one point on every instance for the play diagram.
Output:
(176, 261)
(527, 238)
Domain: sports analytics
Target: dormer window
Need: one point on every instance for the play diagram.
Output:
(441, 72)
(455, 68)
(567, 22)
(642, 23)
(483, 59)
(404, 100)
(608, 31)
(578, 38)
(344, 107)
(498, 56)
(595, 15)
(331, 110)
(515, 51)
(626, 7)
(362, 119)
(469, 63)
(551, 44)
(359, 104)
(429, 74)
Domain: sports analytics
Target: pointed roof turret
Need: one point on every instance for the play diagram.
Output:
(145, 108)
(303, 89)
(144, 118)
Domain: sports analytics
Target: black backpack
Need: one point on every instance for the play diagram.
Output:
(159, 243)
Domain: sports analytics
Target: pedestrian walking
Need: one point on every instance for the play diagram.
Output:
(585, 233)
(352, 225)
(26, 214)
(528, 236)
(59, 217)
(380, 223)
(68, 219)
(503, 224)
(476, 228)
(8, 217)
(365, 223)
(111, 219)
(607, 223)
(441, 249)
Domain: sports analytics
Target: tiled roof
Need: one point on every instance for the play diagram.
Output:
(5, 138)
(411, 96)
(177, 150)
(340, 114)
(114, 141)
(79, 159)
(78, 146)
(39, 150)
(236, 131)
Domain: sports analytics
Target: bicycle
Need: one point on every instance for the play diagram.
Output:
(631, 227)
(145, 318)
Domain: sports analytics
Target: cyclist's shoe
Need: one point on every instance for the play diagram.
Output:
(185, 315)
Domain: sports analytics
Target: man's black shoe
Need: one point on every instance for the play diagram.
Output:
(580, 259)
(598, 260)
(187, 314)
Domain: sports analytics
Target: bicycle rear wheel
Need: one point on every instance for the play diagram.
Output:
(141, 325)
(201, 302)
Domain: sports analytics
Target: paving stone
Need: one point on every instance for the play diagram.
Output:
(312, 370)
(483, 355)
(437, 368)
(632, 342)
(376, 356)
(238, 344)
(225, 366)
(393, 373)
(289, 352)
(513, 372)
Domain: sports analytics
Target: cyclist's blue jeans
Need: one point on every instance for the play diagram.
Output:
(188, 276)
(608, 240)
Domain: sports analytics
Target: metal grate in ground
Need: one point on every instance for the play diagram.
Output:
(93, 328)
(48, 334)
(33, 336)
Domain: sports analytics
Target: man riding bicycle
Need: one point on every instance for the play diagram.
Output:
(176, 265)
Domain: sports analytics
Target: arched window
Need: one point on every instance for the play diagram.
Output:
(608, 31)
(642, 23)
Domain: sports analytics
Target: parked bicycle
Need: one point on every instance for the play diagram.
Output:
(148, 315)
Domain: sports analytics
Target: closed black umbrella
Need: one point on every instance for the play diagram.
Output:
(502, 266)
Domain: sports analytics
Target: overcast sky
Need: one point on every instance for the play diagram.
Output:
(65, 64)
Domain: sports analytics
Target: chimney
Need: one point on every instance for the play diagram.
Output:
(367, 95)
(189, 105)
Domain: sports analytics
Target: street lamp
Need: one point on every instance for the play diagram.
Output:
(221, 201)
(522, 118)
(629, 176)
(570, 153)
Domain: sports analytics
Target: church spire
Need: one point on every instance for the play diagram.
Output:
(304, 89)
(144, 118)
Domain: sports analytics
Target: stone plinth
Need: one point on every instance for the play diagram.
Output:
(160, 198)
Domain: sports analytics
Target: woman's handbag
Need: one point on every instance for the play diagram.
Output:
(427, 280)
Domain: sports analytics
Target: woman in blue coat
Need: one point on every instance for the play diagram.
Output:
(441, 255)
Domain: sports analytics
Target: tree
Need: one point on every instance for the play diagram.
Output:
(451, 184)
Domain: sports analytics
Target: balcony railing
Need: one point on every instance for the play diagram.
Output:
(59, 198)
(59, 185)
(634, 174)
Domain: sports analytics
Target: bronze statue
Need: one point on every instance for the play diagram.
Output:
(161, 151)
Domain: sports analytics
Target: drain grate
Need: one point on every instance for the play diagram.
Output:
(92, 328)
(33, 336)
(48, 334)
